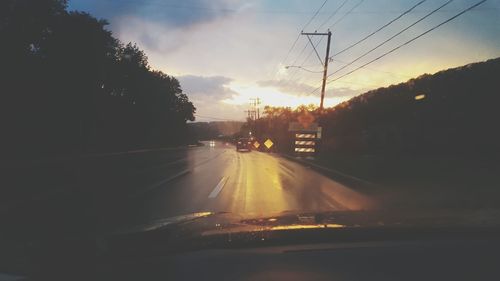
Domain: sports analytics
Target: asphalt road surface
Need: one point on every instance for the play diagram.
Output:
(116, 190)
(220, 179)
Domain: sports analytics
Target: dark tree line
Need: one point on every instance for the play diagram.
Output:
(214, 130)
(69, 86)
(456, 115)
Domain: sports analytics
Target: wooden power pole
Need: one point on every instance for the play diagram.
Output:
(325, 63)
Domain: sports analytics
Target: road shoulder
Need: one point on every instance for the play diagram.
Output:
(359, 184)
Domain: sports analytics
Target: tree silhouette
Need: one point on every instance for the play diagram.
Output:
(457, 116)
(69, 86)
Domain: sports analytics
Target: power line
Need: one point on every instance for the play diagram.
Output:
(291, 48)
(409, 41)
(406, 12)
(314, 16)
(311, 65)
(325, 64)
(295, 73)
(297, 58)
(335, 23)
(304, 27)
(347, 82)
(390, 38)
(305, 69)
(298, 36)
(301, 52)
(205, 9)
(306, 59)
(447, 11)
(319, 41)
(316, 45)
(333, 14)
(377, 70)
(362, 84)
(346, 14)
(380, 28)
(315, 89)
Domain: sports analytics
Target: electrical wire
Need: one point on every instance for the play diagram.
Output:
(346, 14)
(332, 14)
(305, 69)
(392, 37)
(379, 29)
(314, 16)
(319, 41)
(409, 41)
(377, 70)
(335, 23)
(298, 37)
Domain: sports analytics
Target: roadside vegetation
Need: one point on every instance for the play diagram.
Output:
(69, 86)
(431, 134)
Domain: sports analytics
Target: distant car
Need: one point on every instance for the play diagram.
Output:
(243, 144)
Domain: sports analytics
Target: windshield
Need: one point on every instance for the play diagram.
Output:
(140, 114)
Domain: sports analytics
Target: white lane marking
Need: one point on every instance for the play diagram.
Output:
(218, 188)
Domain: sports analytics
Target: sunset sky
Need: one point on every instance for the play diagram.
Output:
(225, 52)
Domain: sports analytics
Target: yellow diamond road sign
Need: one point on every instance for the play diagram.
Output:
(256, 144)
(268, 143)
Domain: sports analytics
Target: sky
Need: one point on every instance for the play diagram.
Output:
(225, 52)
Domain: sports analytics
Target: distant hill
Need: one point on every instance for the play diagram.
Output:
(452, 111)
(212, 130)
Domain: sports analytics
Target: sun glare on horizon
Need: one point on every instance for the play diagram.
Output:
(274, 97)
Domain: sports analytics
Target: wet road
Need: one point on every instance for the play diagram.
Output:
(219, 179)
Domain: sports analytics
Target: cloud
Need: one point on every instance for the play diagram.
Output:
(160, 25)
(207, 94)
(287, 86)
(201, 88)
(169, 12)
(237, 45)
(302, 89)
(344, 92)
(212, 40)
(154, 37)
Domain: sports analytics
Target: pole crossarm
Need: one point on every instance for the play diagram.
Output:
(315, 33)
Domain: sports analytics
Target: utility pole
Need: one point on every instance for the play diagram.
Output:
(325, 72)
(255, 102)
(325, 64)
(249, 114)
(254, 111)
(258, 107)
